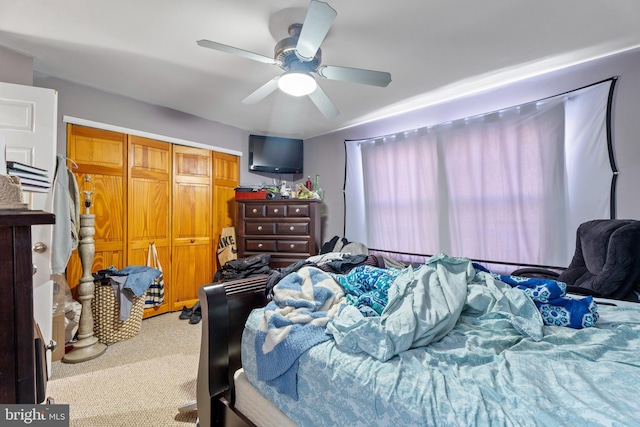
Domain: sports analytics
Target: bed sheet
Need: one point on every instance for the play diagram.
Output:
(473, 376)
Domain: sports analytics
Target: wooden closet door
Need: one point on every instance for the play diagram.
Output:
(192, 224)
(226, 177)
(149, 208)
(101, 154)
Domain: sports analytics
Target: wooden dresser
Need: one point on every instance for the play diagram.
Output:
(288, 229)
(17, 335)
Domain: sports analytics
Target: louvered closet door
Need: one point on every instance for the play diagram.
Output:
(149, 211)
(192, 224)
(226, 177)
(101, 154)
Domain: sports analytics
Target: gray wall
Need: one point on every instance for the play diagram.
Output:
(325, 155)
(87, 103)
(15, 67)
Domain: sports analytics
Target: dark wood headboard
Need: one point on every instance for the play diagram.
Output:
(225, 308)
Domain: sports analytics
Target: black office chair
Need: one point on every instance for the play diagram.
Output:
(606, 262)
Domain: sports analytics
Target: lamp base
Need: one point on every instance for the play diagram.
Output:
(83, 351)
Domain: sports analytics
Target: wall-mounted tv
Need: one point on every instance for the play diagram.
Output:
(274, 154)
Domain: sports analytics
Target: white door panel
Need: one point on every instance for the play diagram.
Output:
(28, 122)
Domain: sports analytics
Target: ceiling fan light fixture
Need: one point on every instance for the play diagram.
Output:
(296, 83)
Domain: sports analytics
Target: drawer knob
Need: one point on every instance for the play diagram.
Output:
(255, 210)
(259, 228)
(275, 210)
(292, 228)
(259, 245)
(292, 246)
(297, 210)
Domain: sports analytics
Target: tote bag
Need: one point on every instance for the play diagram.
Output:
(227, 249)
(155, 292)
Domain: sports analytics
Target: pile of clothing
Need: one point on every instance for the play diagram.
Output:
(129, 282)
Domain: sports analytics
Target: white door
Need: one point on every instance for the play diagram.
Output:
(28, 122)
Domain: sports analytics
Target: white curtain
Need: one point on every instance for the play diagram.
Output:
(508, 186)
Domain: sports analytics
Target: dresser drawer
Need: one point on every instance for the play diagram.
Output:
(260, 245)
(255, 210)
(298, 211)
(276, 211)
(259, 228)
(292, 228)
(293, 246)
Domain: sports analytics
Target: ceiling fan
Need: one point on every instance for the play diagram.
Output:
(299, 55)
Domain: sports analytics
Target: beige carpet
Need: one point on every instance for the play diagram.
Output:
(137, 382)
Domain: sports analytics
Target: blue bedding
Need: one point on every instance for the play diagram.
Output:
(489, 361)
(293, 322)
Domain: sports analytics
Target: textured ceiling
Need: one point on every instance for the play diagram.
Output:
(434, 50)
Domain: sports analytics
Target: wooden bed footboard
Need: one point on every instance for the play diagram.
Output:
(225, 308)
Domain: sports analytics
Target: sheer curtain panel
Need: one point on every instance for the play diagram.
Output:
(507, 186)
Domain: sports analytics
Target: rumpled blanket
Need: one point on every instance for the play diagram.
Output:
(383, 312)
(426, 303)
(549, 295)
(493, 305)
(294, 321)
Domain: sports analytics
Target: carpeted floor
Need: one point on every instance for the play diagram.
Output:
(141, 381)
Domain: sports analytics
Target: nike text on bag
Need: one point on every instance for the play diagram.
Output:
(227, 249)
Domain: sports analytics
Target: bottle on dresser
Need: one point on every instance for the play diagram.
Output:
(317, 188)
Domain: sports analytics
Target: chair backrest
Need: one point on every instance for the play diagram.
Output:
(606, 262)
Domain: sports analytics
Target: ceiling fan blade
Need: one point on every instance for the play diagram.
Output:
(324, 104)
(234, 50)
(355, 75)
(320, 17)
(262, 92)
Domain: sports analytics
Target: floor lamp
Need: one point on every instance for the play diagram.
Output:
(87, 347)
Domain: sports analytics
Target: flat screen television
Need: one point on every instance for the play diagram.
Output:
(275, 154)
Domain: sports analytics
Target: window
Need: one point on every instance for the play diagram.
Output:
(508, 186)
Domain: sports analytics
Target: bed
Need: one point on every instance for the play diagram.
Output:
(488, 361)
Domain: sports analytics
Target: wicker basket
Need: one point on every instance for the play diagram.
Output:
(107, 326)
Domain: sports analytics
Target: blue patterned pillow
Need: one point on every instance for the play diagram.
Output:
(367, 288)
